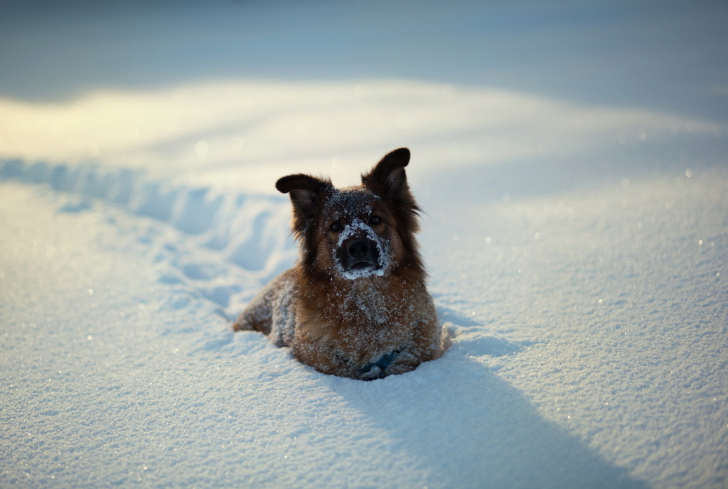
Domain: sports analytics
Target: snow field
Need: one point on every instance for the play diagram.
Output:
(571, 163)
(588, 351)
(133, 391)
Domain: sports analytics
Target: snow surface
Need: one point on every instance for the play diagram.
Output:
(575, 229)
(589, 343)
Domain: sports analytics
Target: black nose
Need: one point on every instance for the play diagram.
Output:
(358, 252)
(360, 248)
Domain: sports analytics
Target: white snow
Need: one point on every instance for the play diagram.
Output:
(256, 131)
(577, 253)
(589, 343)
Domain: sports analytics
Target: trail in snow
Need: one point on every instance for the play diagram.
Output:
(214, 245)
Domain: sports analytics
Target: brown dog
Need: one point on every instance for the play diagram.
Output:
(356, 304)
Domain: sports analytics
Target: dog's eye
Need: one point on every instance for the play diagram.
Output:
(335, 227)
(374, 220)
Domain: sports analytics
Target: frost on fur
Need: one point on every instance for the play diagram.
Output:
(356, 304)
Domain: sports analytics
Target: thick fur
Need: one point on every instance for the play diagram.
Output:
(365, 322)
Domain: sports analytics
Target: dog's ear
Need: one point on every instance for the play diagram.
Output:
(305, 192)
(388, 178)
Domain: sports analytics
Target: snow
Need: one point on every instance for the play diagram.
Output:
(254, 132)
(576, 253)
(588, 351)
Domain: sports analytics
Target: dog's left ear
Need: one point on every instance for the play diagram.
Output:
(388, 179)
(304, 191)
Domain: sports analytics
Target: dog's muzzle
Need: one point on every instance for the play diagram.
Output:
(359, 253)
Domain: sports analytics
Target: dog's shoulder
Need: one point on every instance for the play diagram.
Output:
(272, 309)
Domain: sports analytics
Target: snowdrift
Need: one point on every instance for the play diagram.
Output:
(588, 323)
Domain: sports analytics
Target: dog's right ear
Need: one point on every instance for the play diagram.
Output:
(305, 192)
(388, 178)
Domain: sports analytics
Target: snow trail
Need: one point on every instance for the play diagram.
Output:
(206, 237)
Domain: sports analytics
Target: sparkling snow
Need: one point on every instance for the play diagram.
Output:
(577, 252)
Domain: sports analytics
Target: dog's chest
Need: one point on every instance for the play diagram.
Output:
(369, 307)
(362, 315)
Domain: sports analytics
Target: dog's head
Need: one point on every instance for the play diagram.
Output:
(356, 232)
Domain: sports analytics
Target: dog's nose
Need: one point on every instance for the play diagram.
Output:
(359, 252)
(358, 248)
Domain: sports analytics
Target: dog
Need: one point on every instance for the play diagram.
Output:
(356, 304)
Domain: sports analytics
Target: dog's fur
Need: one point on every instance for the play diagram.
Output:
(356, 304)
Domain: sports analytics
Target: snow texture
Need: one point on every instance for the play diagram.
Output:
(577, 247)
(589, 343)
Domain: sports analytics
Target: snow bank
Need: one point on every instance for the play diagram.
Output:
(577, 254)
(246, 134)
(588, 321)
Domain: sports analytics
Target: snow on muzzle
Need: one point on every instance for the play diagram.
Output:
(361, 252)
